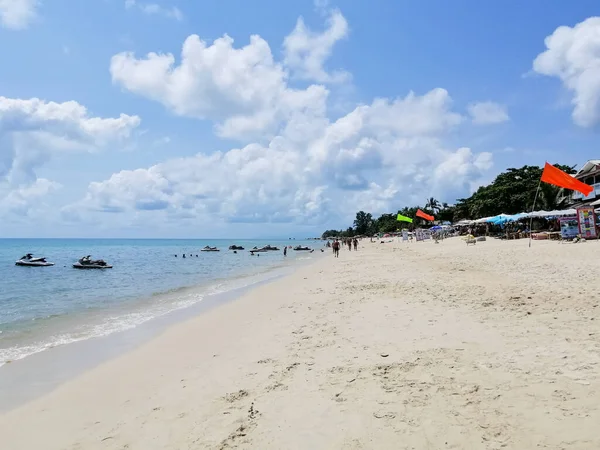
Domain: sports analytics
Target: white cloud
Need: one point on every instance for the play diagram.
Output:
(573, 55)
(32, 131)
(296, 162)
(363, 159)
(155, 9)
(243, 89)
(23, 199)
(68, 119)
(306, 51)
(321, 5)
(17, 14)
(486, 113)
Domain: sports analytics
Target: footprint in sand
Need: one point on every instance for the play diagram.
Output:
(235, 396)
(266, 361)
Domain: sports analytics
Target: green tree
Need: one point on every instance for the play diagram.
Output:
(512, 192)
(363, 223)
(552, 198)
(330, 233)
(447, 213)
(386, 223)
(433, 205)
(348, 233)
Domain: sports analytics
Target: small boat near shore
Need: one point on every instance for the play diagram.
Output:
(29, 261)
(88, 263)
(210, 249)
(266, 248)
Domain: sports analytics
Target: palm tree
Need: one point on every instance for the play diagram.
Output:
(433, 205)
(552, 198)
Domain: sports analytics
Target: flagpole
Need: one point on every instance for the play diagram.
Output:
(537, 191)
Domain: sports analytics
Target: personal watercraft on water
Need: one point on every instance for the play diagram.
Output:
(210, 249)
(88, 263)
(29, 260)
(266, 248)
(301, 249)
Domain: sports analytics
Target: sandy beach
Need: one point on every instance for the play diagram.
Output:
(396, 346)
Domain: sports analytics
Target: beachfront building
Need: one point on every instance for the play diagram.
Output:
(589, 174)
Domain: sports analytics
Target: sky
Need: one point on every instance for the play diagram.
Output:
(229, 118)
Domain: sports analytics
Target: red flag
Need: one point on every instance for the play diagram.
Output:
(424, 215)
(557, 177)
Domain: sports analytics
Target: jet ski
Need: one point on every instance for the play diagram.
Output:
(236, 247)
(259, 250)
(29, 260)
(301, 249)
(266, 248)
(210, 249)
(88, 263)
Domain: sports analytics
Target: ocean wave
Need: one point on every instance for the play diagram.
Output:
(95, 324)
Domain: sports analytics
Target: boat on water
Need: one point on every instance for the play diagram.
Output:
(30, 261)
(266, 248)
(88, 263)
(236, 247)
(299, 248)
(210, 249)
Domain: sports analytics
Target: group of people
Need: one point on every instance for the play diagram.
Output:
(350, 242)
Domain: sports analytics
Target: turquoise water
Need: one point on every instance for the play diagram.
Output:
(42, 307)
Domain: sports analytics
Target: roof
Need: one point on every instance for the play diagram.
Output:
(590, 166)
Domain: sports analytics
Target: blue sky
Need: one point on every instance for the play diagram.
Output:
(279, 138)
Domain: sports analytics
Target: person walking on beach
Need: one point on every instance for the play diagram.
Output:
(355, 243)
(350, 244)
(336, 248)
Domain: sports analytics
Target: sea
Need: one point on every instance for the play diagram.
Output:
(46, 307)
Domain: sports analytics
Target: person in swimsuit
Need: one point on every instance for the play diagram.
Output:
(336, 248)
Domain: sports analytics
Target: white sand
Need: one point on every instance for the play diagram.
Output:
(414, 346)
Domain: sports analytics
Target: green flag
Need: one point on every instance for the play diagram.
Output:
(402, 218)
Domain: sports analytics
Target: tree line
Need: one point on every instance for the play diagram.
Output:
(511, 192)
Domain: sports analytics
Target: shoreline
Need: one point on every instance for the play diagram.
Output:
(42, 309)
(423, 344)
(37, 374)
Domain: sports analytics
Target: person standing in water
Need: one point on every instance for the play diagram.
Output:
(285, 251)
